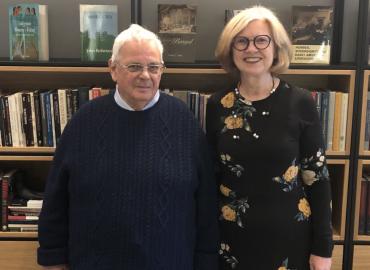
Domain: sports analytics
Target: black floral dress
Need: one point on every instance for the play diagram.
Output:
(275, 200)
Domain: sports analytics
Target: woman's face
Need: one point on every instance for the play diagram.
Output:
(253, 61)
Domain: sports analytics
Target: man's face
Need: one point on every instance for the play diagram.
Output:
(136, 88)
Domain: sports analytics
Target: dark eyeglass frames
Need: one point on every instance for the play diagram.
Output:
(242, 43)
(138, 68)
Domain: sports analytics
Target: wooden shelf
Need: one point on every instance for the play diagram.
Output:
(26, 158)
(18, 235)
(356, 236)
(16, 150)
(18, 255)
(361, 259)
(339, 174)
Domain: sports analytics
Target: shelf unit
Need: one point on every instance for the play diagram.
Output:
(202, 79)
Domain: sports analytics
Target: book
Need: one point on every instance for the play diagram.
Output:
(337, 120)
(28, 32)
(312, 34)
(363, 205)
(343, 122)
(367, 123)
(177, 30)
(7, 193)
(98, 29)
(230, 13)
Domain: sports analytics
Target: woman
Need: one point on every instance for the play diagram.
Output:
(273, 181)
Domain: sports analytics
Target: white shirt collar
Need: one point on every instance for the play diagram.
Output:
(122, 103)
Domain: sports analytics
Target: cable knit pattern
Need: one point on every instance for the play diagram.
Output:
(130, 190)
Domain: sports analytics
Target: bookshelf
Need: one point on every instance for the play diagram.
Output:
(37, 160)
(18, 250)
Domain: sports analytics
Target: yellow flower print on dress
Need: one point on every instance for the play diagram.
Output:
(228, 213)
(233, 122)
(227, 192)
(314, 168)
(228, 100)
(225, 253)
(241, 110)
(227, 161)
(304, 210)
(289, 178)
(291, 173)
(235, 211)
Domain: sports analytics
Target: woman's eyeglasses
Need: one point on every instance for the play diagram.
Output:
(242, 43)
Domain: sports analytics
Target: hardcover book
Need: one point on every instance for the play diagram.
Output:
(229, 13)
(98, 29)
(28, 32)
(312, 34)
(177, 30)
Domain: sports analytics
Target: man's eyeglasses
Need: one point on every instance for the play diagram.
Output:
(242, 43)
(138, 68)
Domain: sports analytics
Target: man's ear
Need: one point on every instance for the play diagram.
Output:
(112, 69)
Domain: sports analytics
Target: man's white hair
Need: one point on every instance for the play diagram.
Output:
(137, 33)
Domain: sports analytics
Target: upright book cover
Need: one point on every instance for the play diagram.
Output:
(98, 29)
(177, 30)
(28, 32)
(229, 13)
(312, 34)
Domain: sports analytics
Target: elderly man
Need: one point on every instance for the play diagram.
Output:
(131, 186)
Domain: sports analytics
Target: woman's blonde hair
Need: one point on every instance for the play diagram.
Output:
(283, 46)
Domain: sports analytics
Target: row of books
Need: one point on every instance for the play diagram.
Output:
(332, 107)
(29, 34)
(18, 213)
(364, 216)
(196, 102)
(311, 32)
(37, 118)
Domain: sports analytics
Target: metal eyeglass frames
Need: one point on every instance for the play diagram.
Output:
(138, 68)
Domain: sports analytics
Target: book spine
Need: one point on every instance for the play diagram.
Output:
(49, 120)
(56, 116)
(363, 212)
(69, 104)
(43, 119)
(62, 108)
(8, 129)
(75, 101)
(38, 117)
(2, 122)
(4, 203)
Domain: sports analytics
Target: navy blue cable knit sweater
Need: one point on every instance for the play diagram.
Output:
(130, 190)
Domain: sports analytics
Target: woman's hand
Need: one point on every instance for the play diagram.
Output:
(319, 263)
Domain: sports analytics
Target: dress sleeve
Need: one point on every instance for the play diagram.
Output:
(211, 125)
(53, 221)
(315, 176)
(206, 253)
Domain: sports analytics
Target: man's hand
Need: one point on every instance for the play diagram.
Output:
(319, 263)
